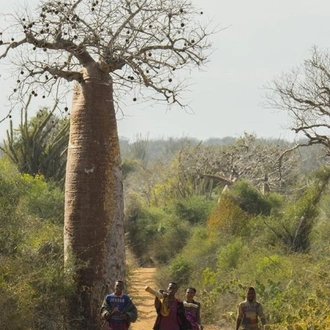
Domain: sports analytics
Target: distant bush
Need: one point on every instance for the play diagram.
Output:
(43, 200)
(180, 269)
(201, 248)
(129, 165)
(145, 228)
(194, 209)
(228, 217)
(173, 238)
(229, 255)
(249, 199)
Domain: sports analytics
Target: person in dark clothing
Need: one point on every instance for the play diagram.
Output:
(170, 311)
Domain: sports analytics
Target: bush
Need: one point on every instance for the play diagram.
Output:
(145, 231)
(171, 241)
(201, 249)
(229, 218)
(195, 209)
(249, 199)
(180, 270)
(43, 200)
(229, 255)
(33, 284)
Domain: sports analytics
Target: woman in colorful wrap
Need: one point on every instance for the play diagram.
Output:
(193, 309)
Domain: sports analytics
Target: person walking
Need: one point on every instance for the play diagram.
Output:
(118, 309)
(192, 309)
(249, 312)
(170, 311)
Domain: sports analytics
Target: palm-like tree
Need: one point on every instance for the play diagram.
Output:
(39, 145)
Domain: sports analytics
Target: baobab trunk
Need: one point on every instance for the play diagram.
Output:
(93, 226)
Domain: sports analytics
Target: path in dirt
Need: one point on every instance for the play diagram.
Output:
(143, 300)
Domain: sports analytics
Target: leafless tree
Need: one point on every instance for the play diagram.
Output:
(304, 93)
(106, 48)
(249, 158)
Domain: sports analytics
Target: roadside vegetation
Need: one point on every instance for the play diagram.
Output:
(218, 215)
(224, 217)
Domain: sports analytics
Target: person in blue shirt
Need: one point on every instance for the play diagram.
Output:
(118, 309)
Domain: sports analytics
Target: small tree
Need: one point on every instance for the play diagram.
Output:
(107, 48)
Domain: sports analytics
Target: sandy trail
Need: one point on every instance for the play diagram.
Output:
(144, 301)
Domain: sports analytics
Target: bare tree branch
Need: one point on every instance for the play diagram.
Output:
(135, 42)
(305, 94)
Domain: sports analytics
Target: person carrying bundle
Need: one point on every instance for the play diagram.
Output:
(170, 310)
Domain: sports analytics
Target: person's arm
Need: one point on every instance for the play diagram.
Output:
(106, 310)
(157, 304)
(198, 316)
(130, 312)
(261, 316)
(238, 322)
(263, 322)
(239, 317)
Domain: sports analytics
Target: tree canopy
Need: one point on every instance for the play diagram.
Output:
(141, 43)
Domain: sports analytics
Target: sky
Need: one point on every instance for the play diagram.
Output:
(259, 40)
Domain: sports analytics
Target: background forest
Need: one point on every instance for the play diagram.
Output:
(218, 215)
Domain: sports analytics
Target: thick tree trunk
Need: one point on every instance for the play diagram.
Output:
(94, 226)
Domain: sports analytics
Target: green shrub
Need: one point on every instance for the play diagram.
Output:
(249, 198)
(228, 217)
(129, 166)
(229, 255)
(171, 241)
(180, 270)
(43, 200)
(33, 284)
(195, 209)
(201, 249)
(145, 231)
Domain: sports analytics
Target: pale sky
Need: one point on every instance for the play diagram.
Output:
(261, 40)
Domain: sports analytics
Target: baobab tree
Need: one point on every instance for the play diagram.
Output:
(106, 49)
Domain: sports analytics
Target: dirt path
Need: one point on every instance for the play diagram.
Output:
(143, 300)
